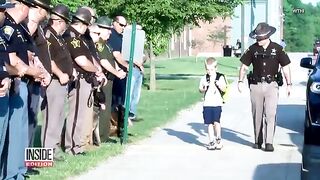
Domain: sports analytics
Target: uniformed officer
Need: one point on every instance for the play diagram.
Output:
(88, 38)
(62, 68)
(18, 42)
(265, 56)
(5, 83)
(42, 58)
(108, 63)
(80, 114)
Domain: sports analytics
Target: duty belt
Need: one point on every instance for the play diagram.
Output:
(267, 79)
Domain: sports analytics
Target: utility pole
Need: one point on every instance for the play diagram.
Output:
(242, 28)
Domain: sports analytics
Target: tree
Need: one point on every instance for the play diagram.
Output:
(73, 5)
(162, 18)
(301, 29)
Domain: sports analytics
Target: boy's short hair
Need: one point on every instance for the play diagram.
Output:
(210, 61)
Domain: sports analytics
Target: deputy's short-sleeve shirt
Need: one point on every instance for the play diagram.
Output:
(87, 38)
(16, 37)
(58, 50)
(77, 47)
(43, 49)
(265, 61)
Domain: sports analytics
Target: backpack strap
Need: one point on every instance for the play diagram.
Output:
(217, 78)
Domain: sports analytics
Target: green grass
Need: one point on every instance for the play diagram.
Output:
(156, 108)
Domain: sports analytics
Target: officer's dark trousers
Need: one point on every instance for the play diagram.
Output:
(264, 100)
(17, 132)
(4, 115)
(54, 115)
(79, 120)
(34, 89)
(105, 115)
(118, 92)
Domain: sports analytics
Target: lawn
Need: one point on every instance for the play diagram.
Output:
(177, 89)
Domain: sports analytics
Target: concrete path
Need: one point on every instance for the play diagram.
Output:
(177, 150)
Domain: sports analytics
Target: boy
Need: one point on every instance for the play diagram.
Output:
(210, 85)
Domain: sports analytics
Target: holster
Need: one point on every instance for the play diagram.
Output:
(250, 78)
(279, 78)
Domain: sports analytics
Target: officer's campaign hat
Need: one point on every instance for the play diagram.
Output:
(27, 2)
(45, 4)
(4, 4)
(262, 31)
(62, 11)
(104, 22)
(83, 15)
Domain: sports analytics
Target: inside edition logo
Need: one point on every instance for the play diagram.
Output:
(38, 157)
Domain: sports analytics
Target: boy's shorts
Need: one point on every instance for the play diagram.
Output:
(211, 114)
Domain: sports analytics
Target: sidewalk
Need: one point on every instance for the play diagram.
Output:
(177, 150)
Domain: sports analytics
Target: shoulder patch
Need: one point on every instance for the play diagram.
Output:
(48, 43)
(48, 34)
(100, 47)
(7, 32)
(75, 43)
(247, 51)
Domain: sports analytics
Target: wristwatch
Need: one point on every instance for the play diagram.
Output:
(289, 84)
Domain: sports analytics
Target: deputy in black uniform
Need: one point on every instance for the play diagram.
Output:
(57, 91)
(42, 58)
(264, 81)
(80, 114)
(92, 132)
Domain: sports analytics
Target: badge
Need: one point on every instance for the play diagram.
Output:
(75, 43)
(273, 52)
(7, 32)
(246, 51)
(100, 47)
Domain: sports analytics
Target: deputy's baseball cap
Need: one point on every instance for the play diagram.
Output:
(4, 4)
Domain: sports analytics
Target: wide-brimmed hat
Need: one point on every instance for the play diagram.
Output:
(83, 15)
(262, 31)
(4, 4)
(104, 22)
(27, 2)
(45, 4)
(62, 11)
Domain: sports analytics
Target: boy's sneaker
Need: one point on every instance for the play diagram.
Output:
(218, 144)
(211, 146)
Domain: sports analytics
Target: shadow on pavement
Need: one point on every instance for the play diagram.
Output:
(227, 134)
(277, 171)
(290, 116)
(184, 136)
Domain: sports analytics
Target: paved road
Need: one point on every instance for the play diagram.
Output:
(176, 151)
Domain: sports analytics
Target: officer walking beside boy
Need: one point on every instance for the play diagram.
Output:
(265, 56)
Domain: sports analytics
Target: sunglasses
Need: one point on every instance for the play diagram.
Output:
(122, 25)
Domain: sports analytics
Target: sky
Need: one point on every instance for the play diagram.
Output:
(314, 2)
